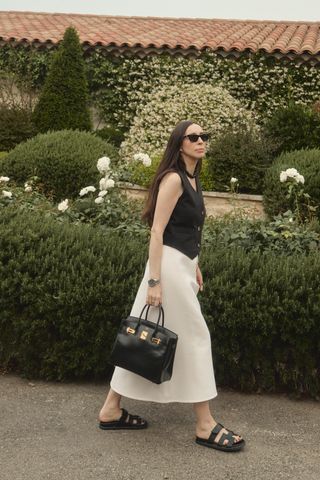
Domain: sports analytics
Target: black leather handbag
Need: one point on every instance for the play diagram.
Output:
(145, 348)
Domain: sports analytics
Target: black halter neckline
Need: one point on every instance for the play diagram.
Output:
(190, 175)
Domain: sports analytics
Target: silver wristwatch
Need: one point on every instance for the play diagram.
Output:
(153, 282)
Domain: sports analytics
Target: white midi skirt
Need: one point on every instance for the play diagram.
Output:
(193, 374)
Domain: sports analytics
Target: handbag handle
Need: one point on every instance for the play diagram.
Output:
(160, 311)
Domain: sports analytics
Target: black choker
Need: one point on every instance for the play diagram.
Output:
(190, 175)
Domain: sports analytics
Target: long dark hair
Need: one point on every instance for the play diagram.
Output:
(171, 161)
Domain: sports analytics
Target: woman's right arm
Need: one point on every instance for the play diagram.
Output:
(170, 189)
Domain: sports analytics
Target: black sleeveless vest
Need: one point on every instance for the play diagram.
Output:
(184, 228)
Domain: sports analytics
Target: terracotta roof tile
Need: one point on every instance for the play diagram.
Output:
(160, 32)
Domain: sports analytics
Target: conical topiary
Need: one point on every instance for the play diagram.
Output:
(63, 103)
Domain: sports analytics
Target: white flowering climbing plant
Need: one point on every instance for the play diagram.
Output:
(212, 107)
(260, 82)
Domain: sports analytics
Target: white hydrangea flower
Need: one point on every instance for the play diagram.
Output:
(292, 172)
(300, 178)
(109, 183)
(28, 188)
(63, 205)
(103, 164)
(138, 157)
(102, 183)
(233, 180)
(5, 193)
(85, 190)
(146, 161)
(283, 176)
(4, 179)
(99, 200)
(144, 158)
(102, 193)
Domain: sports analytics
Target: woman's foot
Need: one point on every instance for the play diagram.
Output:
(204, 431)
(113, 421)
(109, 414)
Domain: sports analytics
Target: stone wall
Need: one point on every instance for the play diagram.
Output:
(217, 203)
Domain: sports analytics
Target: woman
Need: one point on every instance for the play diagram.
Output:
(175, 212)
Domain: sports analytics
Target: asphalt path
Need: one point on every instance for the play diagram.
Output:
(49, 430)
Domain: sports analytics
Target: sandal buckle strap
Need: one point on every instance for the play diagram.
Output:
(215, 431)
(124, 415)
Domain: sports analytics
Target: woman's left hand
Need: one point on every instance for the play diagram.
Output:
(199, 278)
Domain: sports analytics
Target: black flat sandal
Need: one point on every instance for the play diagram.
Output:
(122, 423)
(231, 446)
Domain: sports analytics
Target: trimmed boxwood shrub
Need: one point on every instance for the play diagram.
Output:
(294, 127)
(15, 127)
(65, 289)
(65, 161)
(243, 155)
(307, 162)
(64, 99)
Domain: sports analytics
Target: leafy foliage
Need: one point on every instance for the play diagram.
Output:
(262, 312)
(15, 127)
(242, 155)
(294, 127)
(166, 107)
(63, 103)
(111, 135)
(118, 86)
(283, 235)
(63, 160)
(261, 83)
(137, 173)
(307, 162)
(66, 287)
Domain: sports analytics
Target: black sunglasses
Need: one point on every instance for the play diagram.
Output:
(193, 137)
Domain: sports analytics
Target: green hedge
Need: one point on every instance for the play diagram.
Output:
(263, 313)
(65, 288)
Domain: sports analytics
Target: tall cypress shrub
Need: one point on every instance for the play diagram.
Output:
(63, 103)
